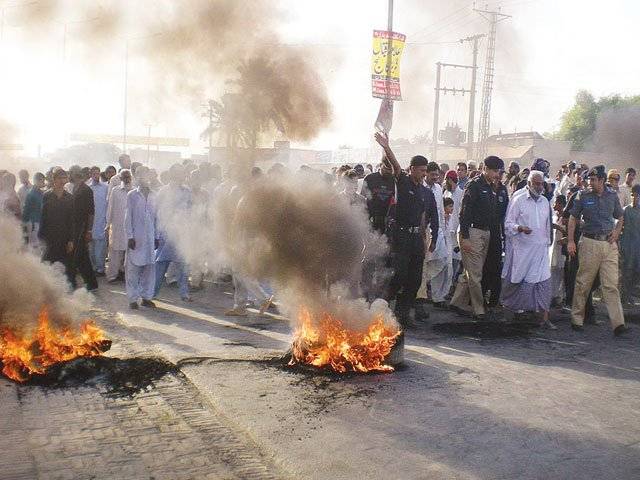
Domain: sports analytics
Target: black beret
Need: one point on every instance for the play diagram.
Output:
(419, 161)
(494, 163)
(598, 171)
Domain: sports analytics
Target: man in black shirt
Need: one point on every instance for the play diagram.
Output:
(480, 214)
(415, 208)
(379, 188)
(56, 223)
(83, 211)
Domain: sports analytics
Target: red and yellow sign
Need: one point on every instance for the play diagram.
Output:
(385, 74)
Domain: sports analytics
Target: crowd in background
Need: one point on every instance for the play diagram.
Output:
(104, 223)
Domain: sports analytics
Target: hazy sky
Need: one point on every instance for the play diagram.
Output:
(545, 53)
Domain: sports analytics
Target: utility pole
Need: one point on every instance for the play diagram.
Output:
(436, 107)
(148, 142)
(472, 100)
(126, 86)
(436, 114)
(209, 113)
(493, 17)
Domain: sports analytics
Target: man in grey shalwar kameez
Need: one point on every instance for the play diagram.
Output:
(526, 274)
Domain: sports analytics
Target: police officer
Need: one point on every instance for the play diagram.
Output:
(480, 214)
(415, 208)
(492, 269)
(598, 207)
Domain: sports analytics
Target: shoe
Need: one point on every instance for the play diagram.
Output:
(566, 310)
(265, 305)
(548, 325)
(148, 303)
(187, 299)
(420, 313)
(459, 311)
(237, 312)
(113, 280)
(621, 330)
(577, 328)
(440, 305)
(421, 301)
(134, 306)
(100, 274)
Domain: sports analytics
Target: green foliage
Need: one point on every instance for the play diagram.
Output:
(579, 122)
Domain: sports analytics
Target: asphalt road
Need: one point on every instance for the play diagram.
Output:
(201, 395)
(553, 404)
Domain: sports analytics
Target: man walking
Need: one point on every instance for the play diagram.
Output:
(140, 227)
(114, 228)
(624, 191)
(598, 207)
(56, 223)
(32, 211)
(629, 242)
(479, 214)
(527, 273)
(98, 246)
(83, 213)
(437, 267)
(172, 206)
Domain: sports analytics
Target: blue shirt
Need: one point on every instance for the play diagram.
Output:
(597, 211)
(32, 211)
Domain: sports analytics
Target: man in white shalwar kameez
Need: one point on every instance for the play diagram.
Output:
(116, 208)
(437, 265)
(140, 227)
(526, 273)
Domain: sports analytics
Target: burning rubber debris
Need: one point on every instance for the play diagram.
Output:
(331, 345)
(23, 353)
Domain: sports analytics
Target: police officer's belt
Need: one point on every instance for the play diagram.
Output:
(409, 229)
(602, 237)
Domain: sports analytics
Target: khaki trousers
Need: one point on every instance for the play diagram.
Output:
(469, 288)
(597, 256)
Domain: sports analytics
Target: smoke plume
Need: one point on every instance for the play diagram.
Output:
(617, 135)
(293, 232)
(28, 284)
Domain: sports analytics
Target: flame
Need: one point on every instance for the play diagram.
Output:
(25, 355)
(331, 345)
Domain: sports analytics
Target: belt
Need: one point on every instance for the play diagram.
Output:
(409, 229)
(479, 227)
(602, 237)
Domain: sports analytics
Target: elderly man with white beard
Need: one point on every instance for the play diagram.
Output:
(140, 226)
(526, 273)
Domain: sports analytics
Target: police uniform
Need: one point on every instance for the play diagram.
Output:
(595, 252)
(479, 215)
(492, 269)
(406, 232)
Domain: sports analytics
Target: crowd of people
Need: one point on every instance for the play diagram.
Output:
(511, 238)
(473, 239)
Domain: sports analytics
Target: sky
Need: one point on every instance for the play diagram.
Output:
(545, 53)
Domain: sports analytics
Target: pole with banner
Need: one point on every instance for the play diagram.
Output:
(385, 71)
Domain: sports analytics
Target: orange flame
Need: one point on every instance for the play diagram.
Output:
(24, 355)
(330, 344)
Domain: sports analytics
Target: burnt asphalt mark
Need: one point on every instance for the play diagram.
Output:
(114, 377)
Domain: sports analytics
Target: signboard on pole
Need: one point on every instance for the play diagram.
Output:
(385, 65)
